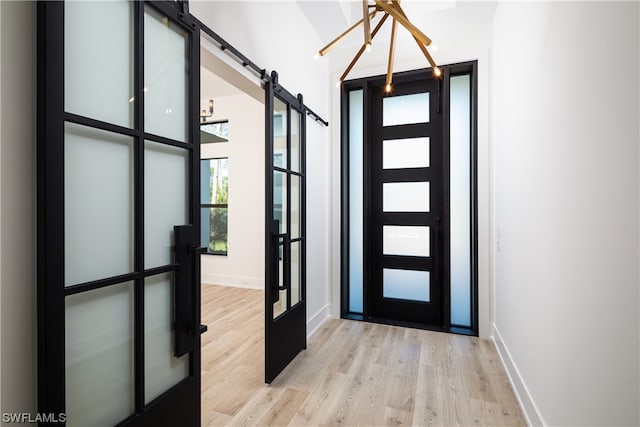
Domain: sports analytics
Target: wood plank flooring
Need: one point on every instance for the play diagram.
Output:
(352, 374)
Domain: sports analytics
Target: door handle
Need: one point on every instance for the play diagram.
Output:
(187, 256)
(275, 263)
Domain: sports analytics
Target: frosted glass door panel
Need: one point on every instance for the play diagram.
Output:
(165, 200)
(405, 153)
(405, 109)
(296, 270)
(166, 72)
(406, 284)
(295, 140)
(405, 197)
(405, 240)
(99, 358)
(279, 133)
(98, 60)
(356, 201)
(98, 203)
(460, 179)
(280, 199)
(295, 206)
(162, 369)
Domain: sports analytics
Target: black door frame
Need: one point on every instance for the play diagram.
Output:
(380, 308)
(286, 335)
(50, 217)
(365, 84)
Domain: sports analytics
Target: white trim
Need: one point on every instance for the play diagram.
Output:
(233, 281)
(318, 319)
(531, 412)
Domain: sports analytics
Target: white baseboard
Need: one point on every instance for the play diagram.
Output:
(233, 281)
(318, 319)
(531, 412)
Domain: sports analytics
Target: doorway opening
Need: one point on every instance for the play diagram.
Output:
(232, 207)
(409, 216)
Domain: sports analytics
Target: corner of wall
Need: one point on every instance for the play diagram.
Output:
(529, 409)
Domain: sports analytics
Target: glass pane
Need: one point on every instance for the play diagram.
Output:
(460, 179)
(295, 140)
(98, 60)
(99, 358)
(214, 233)
(214, 181)
(406, 284)
(405, 153)
(279, 133)
(280, 306)
(166, 72)
(405, 109)
(280, 199)
(296, 273)
(356, 201)
(98, 203)
(295, 206)
(165, 200)
(162, 369)
(405, 240)
(405, 197)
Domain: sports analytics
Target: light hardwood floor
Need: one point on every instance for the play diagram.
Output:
(352, 373)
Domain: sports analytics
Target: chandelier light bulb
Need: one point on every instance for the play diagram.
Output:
(368, 48)
(437, 72)
(434, 47)
(387, 88)
(316, 56)
(338, 83)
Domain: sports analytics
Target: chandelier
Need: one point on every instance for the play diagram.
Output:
(369, 11)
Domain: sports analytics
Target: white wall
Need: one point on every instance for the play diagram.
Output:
(244, 264)
(565, 121)
(17, 212)
(462, 34)
(276, 35)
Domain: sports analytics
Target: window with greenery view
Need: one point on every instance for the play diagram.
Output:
(214, 196)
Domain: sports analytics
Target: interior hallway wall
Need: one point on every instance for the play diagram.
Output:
(276, 35)
(565, 117)
(18, 206)
(244, 264)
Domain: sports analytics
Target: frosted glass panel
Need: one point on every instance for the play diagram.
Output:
(166, 72)
(99, 358)
(405, 153)
(98, 186)
(405, 240)
(355, 201)
(296, 271)
(162, 369)
(165, 200)
(280, 306)
(406, 284)
(295, 206)
(405, 109)
(280, 199)
(296, 150)
(460, 179)
(279, 133)
(405, 197)
(98, 60)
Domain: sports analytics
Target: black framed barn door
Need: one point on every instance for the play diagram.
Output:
(285, 246)
(118, 222)
(406, 203)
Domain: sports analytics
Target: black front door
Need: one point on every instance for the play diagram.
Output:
(285, 248)
(118, 222)
(406, 203)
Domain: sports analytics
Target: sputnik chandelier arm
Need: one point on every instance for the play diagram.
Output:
(389, 8)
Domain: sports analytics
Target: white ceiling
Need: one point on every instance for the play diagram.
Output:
(212, 86)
